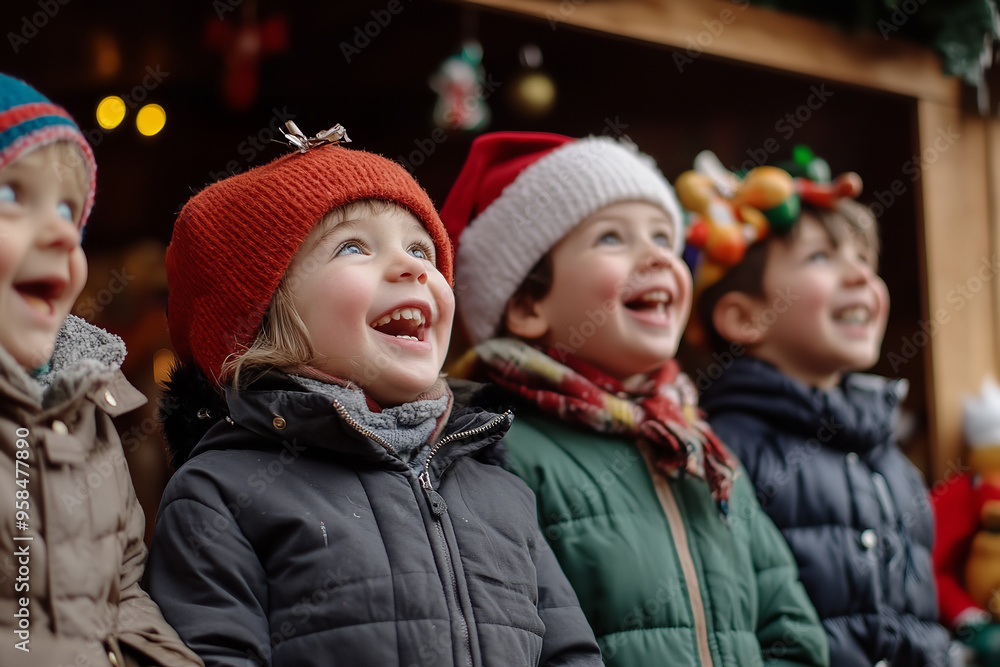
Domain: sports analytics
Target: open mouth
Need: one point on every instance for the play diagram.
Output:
(655, 301)
(41, 294)
(409, 323)
(858, 314)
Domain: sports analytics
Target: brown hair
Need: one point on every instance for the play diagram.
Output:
(850, 220)
(282, 341)
(533, 289)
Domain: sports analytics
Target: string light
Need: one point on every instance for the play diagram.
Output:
(151, 119)
(110, 112)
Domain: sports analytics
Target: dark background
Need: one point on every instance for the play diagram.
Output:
(604, 85)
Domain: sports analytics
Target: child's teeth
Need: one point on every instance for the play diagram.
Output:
(855, 315)
(405, 336)
(401, 314)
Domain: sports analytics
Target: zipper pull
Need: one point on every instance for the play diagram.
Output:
(438, 505)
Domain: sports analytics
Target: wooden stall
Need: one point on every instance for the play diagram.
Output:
(951, 333)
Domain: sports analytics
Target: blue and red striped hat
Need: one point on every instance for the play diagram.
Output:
(28, 120)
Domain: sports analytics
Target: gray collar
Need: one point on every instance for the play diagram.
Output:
(407, 427)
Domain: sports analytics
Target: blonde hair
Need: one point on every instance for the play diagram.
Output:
(282, 341)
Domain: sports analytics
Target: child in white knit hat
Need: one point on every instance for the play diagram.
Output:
(571, 287)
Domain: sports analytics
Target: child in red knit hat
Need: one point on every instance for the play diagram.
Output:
(336, 502)
(71, 527)
(571, 286)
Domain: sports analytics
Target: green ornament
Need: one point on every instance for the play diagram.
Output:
(783, 216)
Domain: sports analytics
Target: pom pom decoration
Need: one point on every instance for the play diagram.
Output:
(730, 213)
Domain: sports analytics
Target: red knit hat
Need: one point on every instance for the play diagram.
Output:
(519, 194)
(233, 241)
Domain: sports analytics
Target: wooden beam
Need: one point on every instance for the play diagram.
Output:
(738, 31)
(961, 271)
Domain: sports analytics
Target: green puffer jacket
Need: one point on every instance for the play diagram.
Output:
(661, 576)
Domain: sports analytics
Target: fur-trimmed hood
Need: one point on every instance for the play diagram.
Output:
(82, 354)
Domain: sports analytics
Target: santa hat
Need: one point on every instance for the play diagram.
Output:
(519, 194)
(234, 241)
(28, 120)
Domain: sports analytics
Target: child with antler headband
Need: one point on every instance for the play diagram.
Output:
(801, 309)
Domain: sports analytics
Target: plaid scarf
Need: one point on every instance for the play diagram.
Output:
(662, 412)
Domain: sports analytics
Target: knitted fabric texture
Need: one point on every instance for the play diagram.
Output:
(234, 240)
(407, 427)
(520, 193)
(663, 412)
(28, 120)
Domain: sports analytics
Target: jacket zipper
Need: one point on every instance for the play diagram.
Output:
(437, 503)
(676, 522)
(439, 507)
(425, 478)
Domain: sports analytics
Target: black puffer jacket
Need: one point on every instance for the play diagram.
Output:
(850, 504)
(288, 538)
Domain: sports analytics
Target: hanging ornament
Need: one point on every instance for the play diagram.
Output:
(243, 47)
(461, 104)
(532, 92)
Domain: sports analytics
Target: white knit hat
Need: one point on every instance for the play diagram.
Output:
(519, 194)
(981, 416)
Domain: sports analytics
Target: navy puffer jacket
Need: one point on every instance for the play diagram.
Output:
(852, 507)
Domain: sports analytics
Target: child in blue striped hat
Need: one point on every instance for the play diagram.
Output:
(71, 529)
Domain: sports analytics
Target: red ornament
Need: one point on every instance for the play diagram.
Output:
(243, 47)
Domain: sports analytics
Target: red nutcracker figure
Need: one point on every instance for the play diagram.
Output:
(967, 546)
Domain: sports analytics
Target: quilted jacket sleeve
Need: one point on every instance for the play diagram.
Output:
(141, 626)
(568, 640)
(205, 576)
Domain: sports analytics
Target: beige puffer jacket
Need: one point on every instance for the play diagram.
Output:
(71, 529)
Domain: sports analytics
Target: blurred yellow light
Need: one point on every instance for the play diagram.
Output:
(151, 119)
(163, 363)
(110, 112)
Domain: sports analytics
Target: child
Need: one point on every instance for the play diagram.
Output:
(571, 286)
(804, 309)
(71, 529)
(335, 506)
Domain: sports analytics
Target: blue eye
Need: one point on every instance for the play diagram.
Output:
(819, 256)
(7, 194)
(610, 238)
(418, 253)
(663, 240)
(349, 248)
(65, 211)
